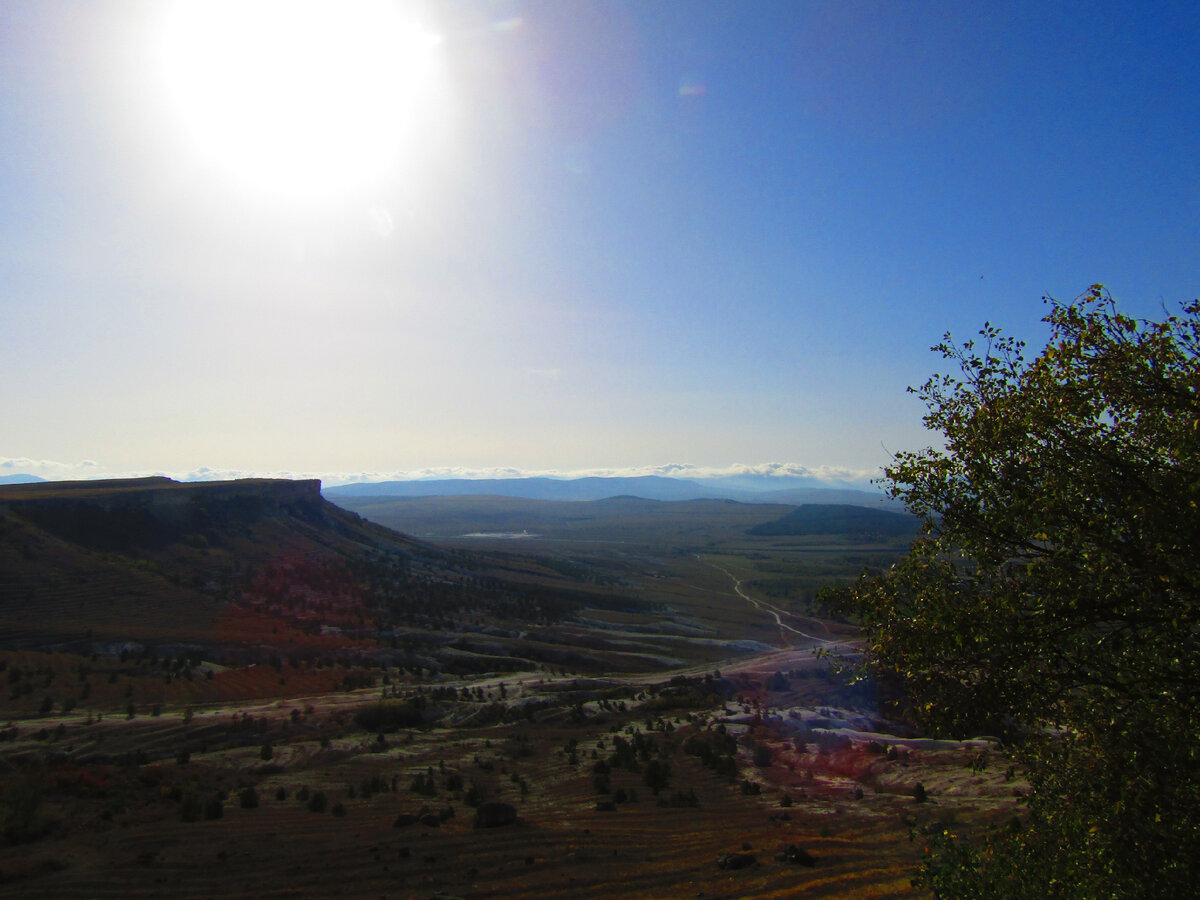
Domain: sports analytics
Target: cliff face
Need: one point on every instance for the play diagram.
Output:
(152, 512)
(159, 560)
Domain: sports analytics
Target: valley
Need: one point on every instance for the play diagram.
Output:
(251, 691)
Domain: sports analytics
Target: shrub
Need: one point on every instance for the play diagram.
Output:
(385, 718)
(473, 796)
(424, 785)
(657, 775)
(190, 808)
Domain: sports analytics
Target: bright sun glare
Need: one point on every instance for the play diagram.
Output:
(300, 98)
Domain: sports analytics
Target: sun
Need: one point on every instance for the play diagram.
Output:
(300, 98)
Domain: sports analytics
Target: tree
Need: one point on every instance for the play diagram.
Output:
(1053, 597)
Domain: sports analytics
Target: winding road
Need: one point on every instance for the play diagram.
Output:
(770, 609)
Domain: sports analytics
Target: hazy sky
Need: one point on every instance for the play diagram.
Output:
(560, 235)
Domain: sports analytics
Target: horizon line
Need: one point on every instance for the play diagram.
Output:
(88, 470)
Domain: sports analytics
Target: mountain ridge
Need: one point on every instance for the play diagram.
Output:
(595, 487)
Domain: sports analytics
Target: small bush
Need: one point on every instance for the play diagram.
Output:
(248, 798)
(190, 808)
(384, 718)
(318, 802)
(657, 775)
(423, 785)
(473, 796)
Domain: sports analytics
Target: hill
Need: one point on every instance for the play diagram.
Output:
(155, 559)
(646, 487)
(625, 519)
(839, 519)
(256, 570)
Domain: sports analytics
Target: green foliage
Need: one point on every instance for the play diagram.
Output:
(1054, 597)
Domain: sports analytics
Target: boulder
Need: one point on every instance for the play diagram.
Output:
(797, 856)
(736, 861)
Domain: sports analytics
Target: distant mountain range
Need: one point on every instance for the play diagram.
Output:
(20, 479)
(648, 487)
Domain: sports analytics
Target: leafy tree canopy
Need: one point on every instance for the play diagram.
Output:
(1054, 597)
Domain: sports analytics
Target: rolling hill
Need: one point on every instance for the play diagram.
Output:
(253, 570)
(810, 519)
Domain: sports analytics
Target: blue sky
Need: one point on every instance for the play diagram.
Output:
(608, 235)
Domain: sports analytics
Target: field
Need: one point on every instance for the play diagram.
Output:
(671, 726)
